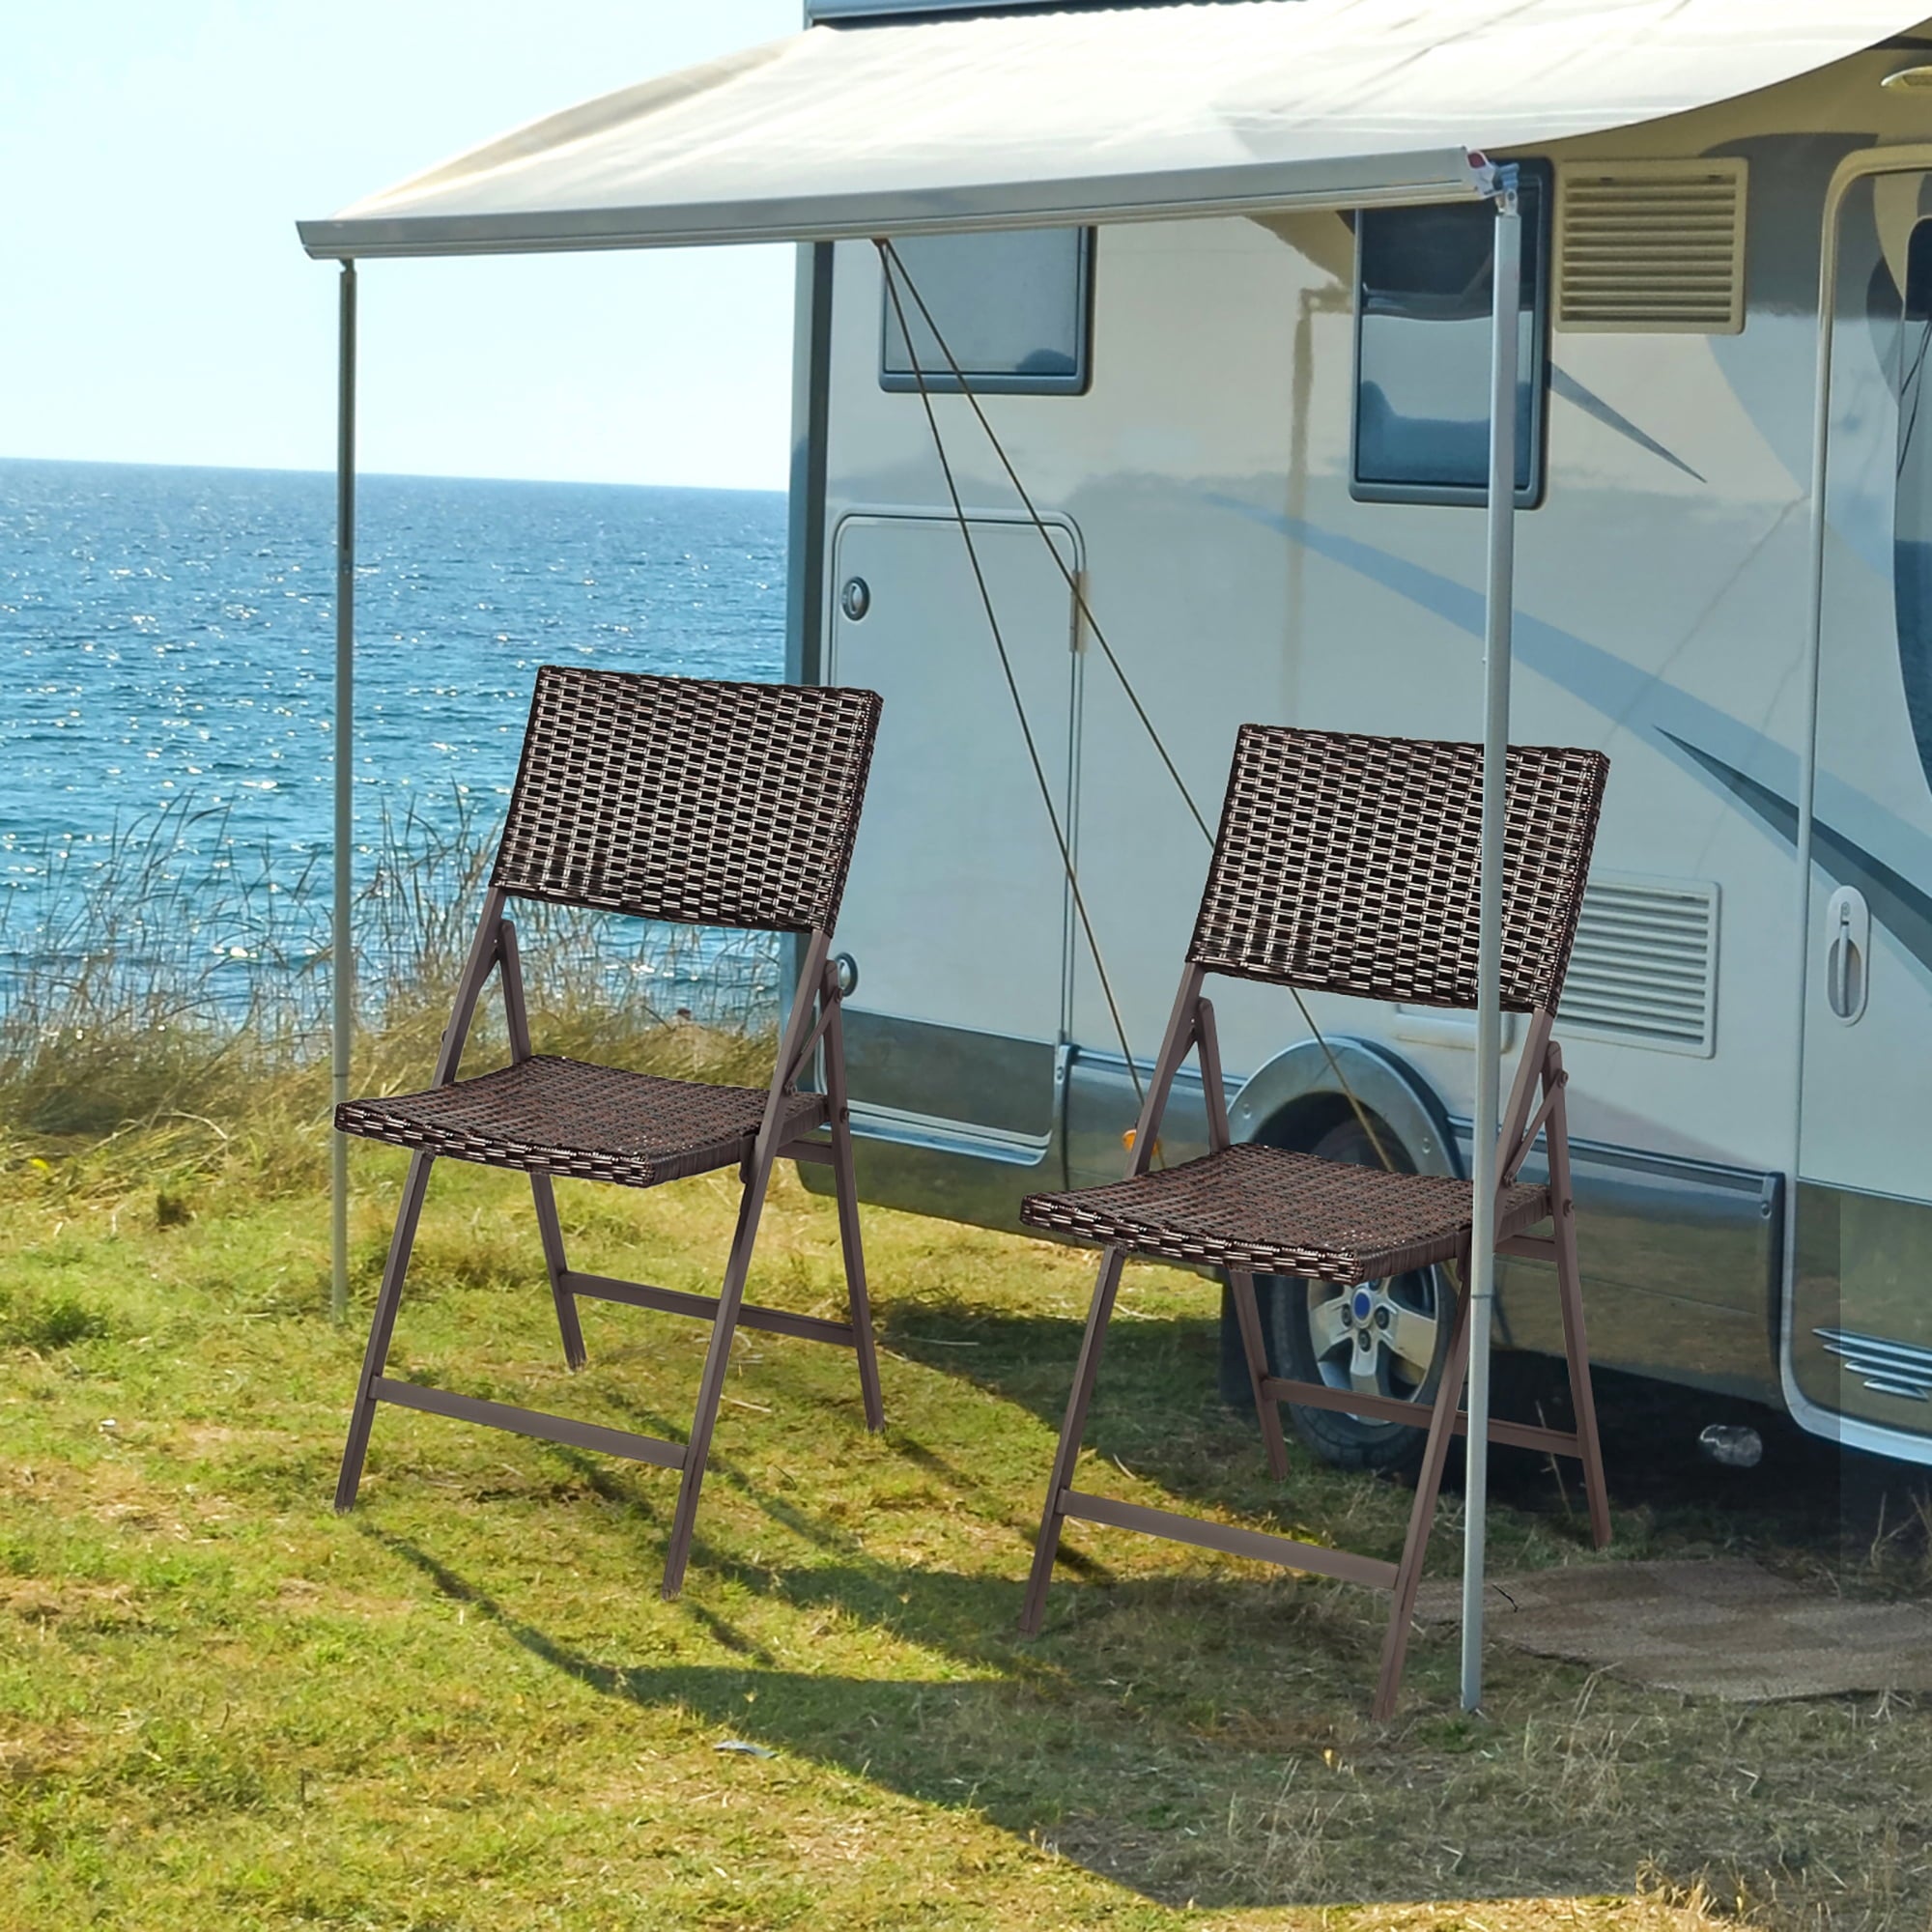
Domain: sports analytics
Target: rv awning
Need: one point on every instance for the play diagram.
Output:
(1093, 114)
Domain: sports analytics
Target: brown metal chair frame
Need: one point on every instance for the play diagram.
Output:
(1536, 1110)
(814, 1020)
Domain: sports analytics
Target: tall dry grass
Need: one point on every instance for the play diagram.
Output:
(165, 994)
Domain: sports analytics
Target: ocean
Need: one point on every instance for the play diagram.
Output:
(166, 682)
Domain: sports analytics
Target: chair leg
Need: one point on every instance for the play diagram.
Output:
(1577, 1349)
(711, 1385)
(1098, 1314)
(845, 1184)
(1422, 1514)
(544, 1194)
(360, 1417)
(1248, 1316)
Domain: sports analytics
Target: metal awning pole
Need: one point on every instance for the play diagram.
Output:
(342, 988)
(1489, 942)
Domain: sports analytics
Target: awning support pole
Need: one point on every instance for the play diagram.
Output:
(1490, 945)
(342, 987)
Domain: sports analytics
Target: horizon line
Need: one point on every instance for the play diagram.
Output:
(400, 475)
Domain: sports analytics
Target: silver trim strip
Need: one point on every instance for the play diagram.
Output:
(1886, 1368)
(940, 1136)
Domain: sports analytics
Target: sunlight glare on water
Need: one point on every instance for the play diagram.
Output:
(167, 641)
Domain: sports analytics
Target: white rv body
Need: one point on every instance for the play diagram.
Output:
(1754, 1162)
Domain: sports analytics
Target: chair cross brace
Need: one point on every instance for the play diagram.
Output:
(677, 1301)
(530, 1422)
(1229, 1539)
(1393, 1408)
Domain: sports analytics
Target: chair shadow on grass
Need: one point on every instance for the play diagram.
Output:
(1164, 1732)
(1173, 1784)
(1171, 1733)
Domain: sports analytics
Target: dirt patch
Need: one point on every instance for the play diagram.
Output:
(1718, 1629)
(301, 1594)
(40, 1601)
(204, 1436)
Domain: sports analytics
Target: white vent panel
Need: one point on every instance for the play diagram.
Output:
(1652, 246)
(1644, 970)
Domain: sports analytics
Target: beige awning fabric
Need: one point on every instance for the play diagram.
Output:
(1093, 114)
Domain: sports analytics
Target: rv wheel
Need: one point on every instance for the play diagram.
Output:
(1383, 1339)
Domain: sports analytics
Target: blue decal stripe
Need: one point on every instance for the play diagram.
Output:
(1563, 383)
(1634, 700)
(1901, 907)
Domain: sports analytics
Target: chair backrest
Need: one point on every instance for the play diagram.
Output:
(689, 799)
(1347, 864)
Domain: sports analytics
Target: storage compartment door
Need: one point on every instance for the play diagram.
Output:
(955, 915)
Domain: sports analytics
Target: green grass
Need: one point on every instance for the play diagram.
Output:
(466, 1706)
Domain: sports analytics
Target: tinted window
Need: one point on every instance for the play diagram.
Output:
(1011, 306)
(1423, 303)
(1912, 512)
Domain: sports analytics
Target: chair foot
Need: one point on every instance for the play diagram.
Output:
(1046, 1553)
(684, 1520)
(858, 1303)
(355, 1451)
(678, 1556)
(1033, 1612)
(1066, 1456)
(1422, 1513)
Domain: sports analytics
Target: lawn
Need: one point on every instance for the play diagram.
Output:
(466, 1706)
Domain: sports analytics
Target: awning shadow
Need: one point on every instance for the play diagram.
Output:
(1098, 1742)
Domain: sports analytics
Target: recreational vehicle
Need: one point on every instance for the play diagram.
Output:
(1144, 378)
(1258, 445)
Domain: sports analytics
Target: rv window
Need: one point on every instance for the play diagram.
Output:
(1011, 305)
(1912, 509)
(1423, 304)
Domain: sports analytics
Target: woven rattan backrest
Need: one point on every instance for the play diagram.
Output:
(1349, 864)
(689, 799)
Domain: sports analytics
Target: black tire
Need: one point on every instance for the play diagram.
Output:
(1288, 1308)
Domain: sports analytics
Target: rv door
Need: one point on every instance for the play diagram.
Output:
(1857, 1340)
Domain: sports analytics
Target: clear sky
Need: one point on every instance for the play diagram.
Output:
(157, 307)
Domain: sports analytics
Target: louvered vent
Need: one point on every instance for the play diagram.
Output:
(1654, 246)
(1644, 970)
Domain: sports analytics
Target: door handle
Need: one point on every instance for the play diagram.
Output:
(1847, 953)
(1842, 963)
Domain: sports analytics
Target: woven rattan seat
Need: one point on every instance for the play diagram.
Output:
(548, 1115)
(1269, 1210)
(704, 803)
(1351, 865)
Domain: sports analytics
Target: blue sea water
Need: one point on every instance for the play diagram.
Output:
(167, 661)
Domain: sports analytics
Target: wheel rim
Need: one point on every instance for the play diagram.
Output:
(1376, 1338)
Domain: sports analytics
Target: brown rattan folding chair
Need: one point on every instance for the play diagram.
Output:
(681, 799)
(1349, 864)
